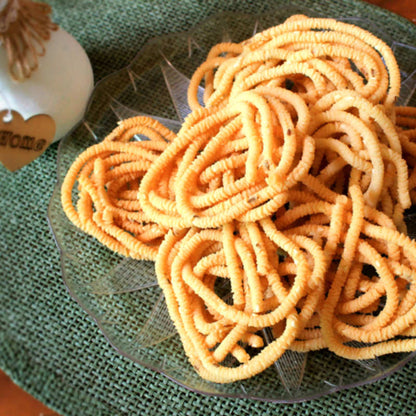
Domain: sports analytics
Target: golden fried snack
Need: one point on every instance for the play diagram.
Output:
(316, 55)
(367, 143)
(215, 325)
(108, 175)
(347, 314)
(225, 164)
(406, 122)
(278, 208)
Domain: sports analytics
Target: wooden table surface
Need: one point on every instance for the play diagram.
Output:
(406, 8)
(16, 402)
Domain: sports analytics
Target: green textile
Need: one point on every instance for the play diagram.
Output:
(48, 344)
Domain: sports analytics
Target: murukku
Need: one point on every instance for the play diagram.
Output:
(276, 215)
(261, 155)
(406, 122)
(376, 140)
(386, 291)
(337, 56)
(108, 175)
(249, 302)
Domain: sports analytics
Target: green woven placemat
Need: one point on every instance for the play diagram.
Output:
(48, 344)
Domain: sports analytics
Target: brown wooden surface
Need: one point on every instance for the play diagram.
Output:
(405, 8)
(16, 402)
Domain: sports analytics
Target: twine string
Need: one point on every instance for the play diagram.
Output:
(25, 26)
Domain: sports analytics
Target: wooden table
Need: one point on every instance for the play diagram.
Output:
(406, 8)
(16, 402)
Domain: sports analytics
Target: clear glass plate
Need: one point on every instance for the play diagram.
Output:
(122, 294)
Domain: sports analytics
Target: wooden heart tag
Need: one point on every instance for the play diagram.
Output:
(22, 141)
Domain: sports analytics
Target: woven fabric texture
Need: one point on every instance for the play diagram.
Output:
(48, 344)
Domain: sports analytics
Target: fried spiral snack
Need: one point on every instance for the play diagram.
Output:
(225, 164)
(278, 207)
(108, 176)
(188, 267)
(406, 122)
(372, 290)
(286, 293)
(316, 55)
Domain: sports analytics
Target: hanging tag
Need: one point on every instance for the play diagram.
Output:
(22, 141)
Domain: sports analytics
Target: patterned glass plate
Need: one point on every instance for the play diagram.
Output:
(122, 294)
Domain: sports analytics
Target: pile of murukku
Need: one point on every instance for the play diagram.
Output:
(275, 216)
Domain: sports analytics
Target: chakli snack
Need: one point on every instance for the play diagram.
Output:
(288, 296)
(368, 238)
(278, 208)
(406, 121)
(316, 55)
(108, 176)
(228, 165)
(188, 267)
